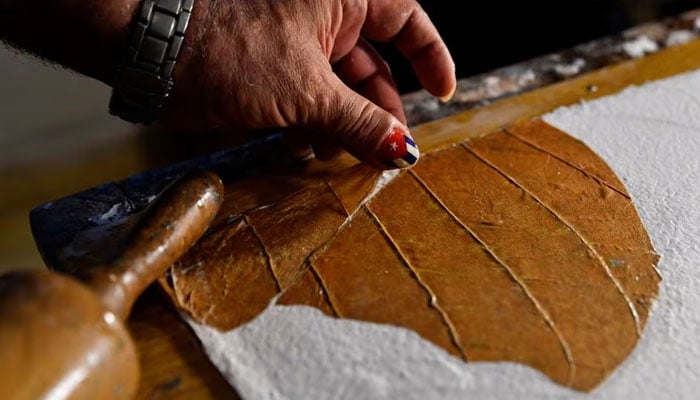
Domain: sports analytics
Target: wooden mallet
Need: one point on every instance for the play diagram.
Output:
(65, 338)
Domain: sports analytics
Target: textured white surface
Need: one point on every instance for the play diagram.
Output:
(650, 136)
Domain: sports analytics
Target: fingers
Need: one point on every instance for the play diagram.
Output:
(357, 107)
(364, 113)
(406, 24)
(364, 70)
(367, 131)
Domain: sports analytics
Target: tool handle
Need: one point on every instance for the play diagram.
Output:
(173, 223)
(63, 338)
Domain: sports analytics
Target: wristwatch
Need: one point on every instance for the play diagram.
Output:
(144, 79)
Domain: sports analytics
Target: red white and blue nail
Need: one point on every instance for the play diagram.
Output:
(399, 150)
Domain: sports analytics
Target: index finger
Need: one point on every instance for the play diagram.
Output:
(406, 24)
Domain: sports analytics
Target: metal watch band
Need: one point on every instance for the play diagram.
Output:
(144, 79)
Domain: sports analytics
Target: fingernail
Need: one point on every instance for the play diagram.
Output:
(448, 97)
(399, 150)
(445, 99)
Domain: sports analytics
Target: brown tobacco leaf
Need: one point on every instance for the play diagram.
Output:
(518, 246)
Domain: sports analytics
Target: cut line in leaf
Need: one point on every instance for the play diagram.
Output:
(521, 245)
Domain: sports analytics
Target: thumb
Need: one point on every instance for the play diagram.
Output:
(368, 132)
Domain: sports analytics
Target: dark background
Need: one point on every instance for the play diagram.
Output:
(485, 35)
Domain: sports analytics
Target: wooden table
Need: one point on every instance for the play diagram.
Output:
(173, 364)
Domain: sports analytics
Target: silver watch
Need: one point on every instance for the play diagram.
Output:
(144, 78)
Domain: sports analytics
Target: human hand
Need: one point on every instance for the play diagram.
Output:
(308, 66)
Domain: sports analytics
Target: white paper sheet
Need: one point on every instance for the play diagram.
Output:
(650, 136)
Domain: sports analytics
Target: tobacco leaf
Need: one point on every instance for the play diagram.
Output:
(521, 246)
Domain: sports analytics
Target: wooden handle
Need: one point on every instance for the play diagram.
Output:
(63, 338)
(172, 225)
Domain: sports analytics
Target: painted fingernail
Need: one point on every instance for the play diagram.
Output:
(399, 150)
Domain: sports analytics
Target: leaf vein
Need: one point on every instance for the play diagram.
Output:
(543, 313)
(268, 257)
(579, 235)
(569, 163)
(324, 288)
(433, 299)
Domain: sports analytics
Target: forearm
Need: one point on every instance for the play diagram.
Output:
(88, 36)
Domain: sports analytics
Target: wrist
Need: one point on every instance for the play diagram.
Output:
(145, 75)
(192, 46)
(187, 106)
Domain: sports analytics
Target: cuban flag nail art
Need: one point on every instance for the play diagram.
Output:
(399, 150)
